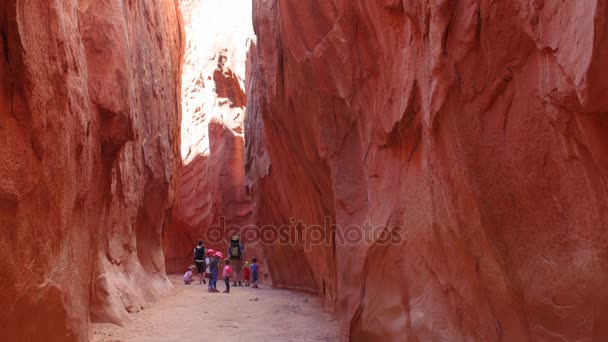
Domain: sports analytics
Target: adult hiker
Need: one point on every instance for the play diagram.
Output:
(199, 261)
(235, 253)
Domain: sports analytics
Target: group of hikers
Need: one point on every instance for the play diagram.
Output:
(207, 263)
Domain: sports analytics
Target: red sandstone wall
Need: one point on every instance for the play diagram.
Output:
(479, 126)
(89, 124)
(218, 37)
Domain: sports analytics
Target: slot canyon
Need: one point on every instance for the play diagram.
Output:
(442, 163)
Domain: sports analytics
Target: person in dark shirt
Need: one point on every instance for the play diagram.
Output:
(199, 261)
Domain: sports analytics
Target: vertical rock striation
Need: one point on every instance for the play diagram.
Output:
(212, 185)
(477, 126)
(89, 124)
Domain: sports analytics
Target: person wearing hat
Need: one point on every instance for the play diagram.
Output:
(214, 268)
(210, 253)
(235, 253)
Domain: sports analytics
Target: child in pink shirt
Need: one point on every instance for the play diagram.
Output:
(226, 273)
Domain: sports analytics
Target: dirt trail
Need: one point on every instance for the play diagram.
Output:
(193, 314)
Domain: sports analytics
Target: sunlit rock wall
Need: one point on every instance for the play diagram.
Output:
(219, 35)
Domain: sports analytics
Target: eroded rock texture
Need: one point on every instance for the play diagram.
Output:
(89, 125)
(218, 38)
(479, 126)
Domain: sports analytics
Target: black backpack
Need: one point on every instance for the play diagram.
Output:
(199, 253)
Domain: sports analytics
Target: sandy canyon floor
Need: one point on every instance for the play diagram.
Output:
(190, 313)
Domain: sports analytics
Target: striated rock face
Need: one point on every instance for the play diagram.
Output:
(89, 124)
(477, 126)
(212, 185)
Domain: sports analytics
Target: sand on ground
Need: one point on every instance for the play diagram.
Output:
(191, 313)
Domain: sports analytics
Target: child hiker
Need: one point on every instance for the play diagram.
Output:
(214, 267)
(226, 273)
(210, 253)
(254, 273)
(188, 275)
(246, 273)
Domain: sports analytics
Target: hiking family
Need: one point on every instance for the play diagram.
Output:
(207, 263)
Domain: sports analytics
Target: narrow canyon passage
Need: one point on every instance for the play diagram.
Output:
(190, 314)
(429, 170)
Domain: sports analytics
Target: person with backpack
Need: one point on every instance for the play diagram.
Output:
(199, 261)
(235, 253)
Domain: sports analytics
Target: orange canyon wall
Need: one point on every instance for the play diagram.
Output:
(478, 126)
(89, 125)
(218, 37)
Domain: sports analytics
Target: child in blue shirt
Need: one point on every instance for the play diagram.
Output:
(254, 273)
(214, 267)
